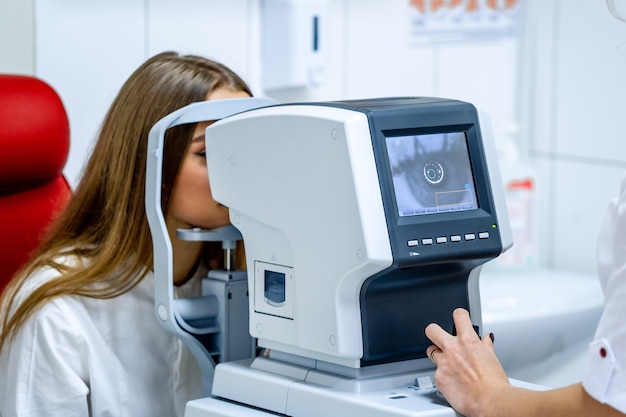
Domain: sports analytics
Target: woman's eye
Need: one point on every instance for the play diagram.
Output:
(201, 154)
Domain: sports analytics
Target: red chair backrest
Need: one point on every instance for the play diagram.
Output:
(34, 144)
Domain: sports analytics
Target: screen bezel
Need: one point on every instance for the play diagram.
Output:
(440, 185)
(479, 175)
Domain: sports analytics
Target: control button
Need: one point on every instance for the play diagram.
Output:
(442, 239)
(483, 235)
(424, 382)
(455, 238)
(412, 243)
(427, 241)
(470, 236)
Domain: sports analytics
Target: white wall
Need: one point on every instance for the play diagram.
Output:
(572, 121)
(17, 40)
(557, 89)
(87, 48)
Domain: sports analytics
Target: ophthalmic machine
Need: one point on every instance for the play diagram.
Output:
(363, 221)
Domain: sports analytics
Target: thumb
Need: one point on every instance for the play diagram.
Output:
(489, 339)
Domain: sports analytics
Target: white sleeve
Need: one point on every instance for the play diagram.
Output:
(43, 367)
(605, 374)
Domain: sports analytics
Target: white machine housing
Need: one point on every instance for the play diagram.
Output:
(338, 272)
(202, 323)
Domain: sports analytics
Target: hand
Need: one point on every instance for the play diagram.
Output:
(468, 374)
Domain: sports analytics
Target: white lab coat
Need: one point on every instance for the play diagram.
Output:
(79, 356)
(605, 374)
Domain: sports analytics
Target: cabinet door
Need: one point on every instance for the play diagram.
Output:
(575, 65)
(591, 81)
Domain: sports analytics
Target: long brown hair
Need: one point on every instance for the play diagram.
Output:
(104, 224)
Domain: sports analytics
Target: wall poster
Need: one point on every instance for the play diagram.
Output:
(462, 20)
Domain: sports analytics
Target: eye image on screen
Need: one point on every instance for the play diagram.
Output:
(431, 173)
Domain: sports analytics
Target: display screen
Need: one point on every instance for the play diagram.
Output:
(431, 173)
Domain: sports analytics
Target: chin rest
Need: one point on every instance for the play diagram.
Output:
(34, 145)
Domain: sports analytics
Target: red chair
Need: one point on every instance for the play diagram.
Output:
(34, 144)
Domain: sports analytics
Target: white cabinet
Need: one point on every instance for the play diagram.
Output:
(575, 53)
(590, 77)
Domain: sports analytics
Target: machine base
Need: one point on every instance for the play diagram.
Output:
(217, 407)
(402, 402)
(294, 391)
(266, 387)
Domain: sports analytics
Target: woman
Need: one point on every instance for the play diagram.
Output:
(78, 334)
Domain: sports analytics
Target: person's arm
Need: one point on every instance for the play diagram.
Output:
(471, 378)
(569, 401)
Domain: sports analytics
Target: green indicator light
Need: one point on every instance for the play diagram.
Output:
(494, 226)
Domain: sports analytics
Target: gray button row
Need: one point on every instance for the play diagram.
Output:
(445, 239)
